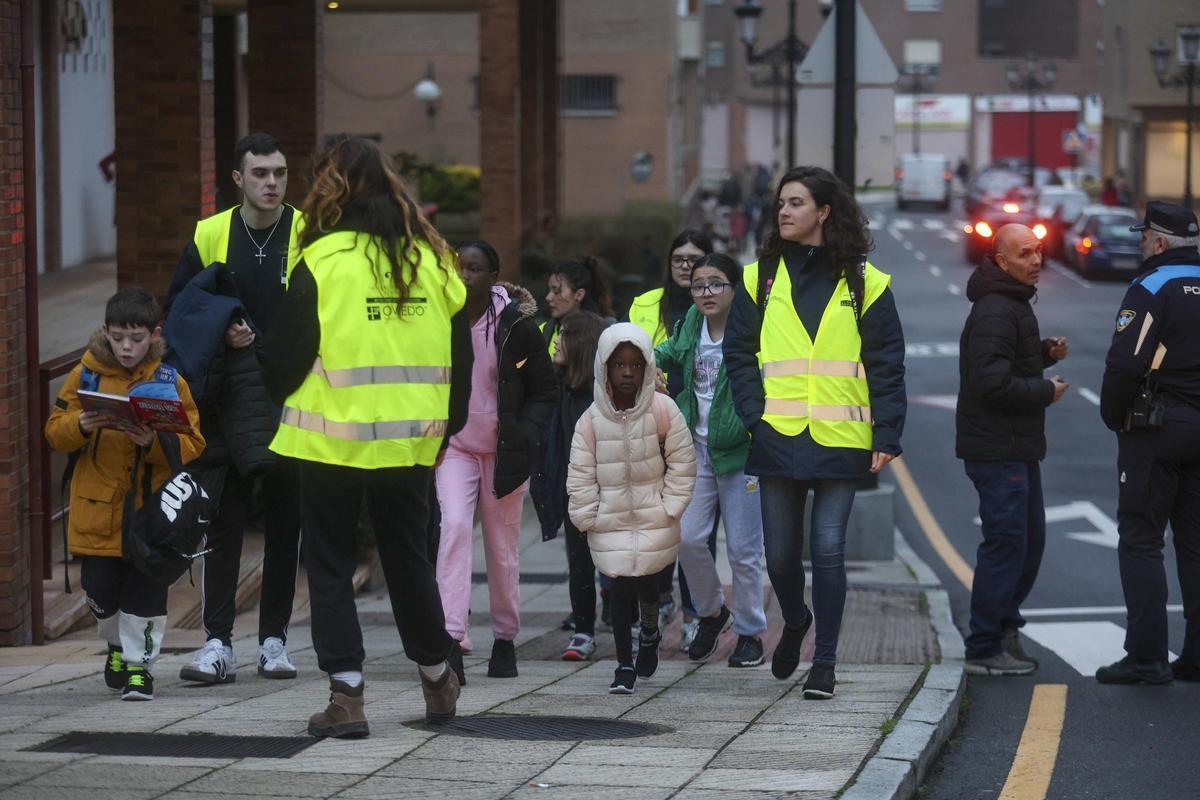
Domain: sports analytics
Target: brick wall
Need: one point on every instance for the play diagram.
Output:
(14, 468)
(284, 81)
(499, 157)
(164, 112)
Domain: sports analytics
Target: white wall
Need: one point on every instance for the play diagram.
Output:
(714, 139)
(875, 152)
(87, 135)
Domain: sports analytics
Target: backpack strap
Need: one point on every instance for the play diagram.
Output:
(856, 282)
(88, 380)
(766, 279)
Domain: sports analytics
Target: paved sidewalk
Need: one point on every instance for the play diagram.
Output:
(725, 733)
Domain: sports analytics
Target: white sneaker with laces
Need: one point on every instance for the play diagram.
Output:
(212, 663)
(687, 633)
(273, 661)
(580, 648)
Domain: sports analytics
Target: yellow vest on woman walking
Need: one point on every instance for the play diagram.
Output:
(378, 394)
(817, 385)
(643, 312)
(212, 237)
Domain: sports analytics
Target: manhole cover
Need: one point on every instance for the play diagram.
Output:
(554, 729)
(168, 745)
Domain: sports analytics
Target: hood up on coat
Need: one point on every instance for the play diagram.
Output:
(101, 352)
(612, 337)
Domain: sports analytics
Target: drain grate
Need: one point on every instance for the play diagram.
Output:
(168, 745)
(551, 729)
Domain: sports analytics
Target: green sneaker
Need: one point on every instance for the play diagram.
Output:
(139, 685)
(114, 669)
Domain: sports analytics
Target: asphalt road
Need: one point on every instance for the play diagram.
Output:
(1117, 742)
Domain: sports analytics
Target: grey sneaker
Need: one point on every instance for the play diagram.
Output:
(1012, 645)
(687, 633)
(999, 664)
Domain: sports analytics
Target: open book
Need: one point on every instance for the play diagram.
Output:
(155, 403)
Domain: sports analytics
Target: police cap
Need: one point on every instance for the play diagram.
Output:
(1168, 218)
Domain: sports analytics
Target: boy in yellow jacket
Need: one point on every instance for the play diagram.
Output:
(130, 608)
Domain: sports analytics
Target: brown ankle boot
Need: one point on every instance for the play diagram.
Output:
(441, 697)
(343, 718)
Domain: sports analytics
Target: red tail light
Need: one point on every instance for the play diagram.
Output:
(1011, 208)
(899, 173)
(1039, 230)
(947, 175)
(983, 229)
(1084, 245)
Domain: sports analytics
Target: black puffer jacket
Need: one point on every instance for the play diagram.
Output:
(527, 391)
(1002, 396)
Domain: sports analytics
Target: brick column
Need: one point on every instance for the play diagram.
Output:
(162, 59)
(14, 444)
(499, 151)
(283, 77)
(538, 48)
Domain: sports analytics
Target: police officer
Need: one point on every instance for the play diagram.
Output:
(360, 358)
(1151, 397)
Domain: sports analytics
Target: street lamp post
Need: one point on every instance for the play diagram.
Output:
(915, 75)
(1027, 77)
(791, 50)
(429, 93)
(1185, 77)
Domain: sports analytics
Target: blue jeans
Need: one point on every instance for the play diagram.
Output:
(1013, 516)
(783, 501)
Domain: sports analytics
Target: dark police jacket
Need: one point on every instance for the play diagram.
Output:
(1160, 309)
(1002, 396)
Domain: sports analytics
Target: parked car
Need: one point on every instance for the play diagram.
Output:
(1059, 207)
(923, 178)
(990, 187)
(1100, 243)
(982, 228)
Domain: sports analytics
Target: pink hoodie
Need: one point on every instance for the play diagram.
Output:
(483, 421)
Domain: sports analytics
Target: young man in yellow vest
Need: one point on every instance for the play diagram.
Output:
(256, 244)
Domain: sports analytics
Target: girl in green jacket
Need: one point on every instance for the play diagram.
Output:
(722, 446)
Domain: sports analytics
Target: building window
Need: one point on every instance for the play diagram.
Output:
(714, 54)
(922, 51)
(588, 94)
(922, 5)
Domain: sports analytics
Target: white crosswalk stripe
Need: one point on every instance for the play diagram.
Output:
(934, 224)
(902, 224)
(1086, 646)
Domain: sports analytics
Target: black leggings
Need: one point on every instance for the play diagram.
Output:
(581, 579)
(626, 591)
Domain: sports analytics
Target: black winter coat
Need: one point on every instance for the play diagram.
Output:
(1002, 396)
(527, 392)
(548, 484)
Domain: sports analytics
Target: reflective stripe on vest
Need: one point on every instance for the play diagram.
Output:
(363, 431)
(212, 238)
(644, 313)
(378, 376)
(819, 386)
(378, 394)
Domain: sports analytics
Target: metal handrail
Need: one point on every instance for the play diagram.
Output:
(41, 518)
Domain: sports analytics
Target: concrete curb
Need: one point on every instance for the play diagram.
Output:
(904, 757)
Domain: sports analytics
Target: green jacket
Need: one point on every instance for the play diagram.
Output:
(728, 440)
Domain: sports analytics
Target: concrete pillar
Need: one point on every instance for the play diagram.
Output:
(499, 135)
(283, 80)
(14, 439)
(162, 54)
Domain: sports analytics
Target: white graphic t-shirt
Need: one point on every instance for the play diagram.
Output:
(704, 379)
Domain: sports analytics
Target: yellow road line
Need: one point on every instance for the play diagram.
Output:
(933, 532)
(1029, 778)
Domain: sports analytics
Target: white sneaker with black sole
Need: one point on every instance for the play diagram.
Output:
(273, 661)
(212, 663)
(687, 633)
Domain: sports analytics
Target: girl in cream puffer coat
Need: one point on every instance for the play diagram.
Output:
(629, 481)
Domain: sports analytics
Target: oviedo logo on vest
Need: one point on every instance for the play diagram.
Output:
(384, 308)
(176, 492)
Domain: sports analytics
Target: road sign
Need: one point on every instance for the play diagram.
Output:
(1074, 141)
(641, 167)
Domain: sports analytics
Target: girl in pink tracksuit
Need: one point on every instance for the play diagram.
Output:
(486, 465)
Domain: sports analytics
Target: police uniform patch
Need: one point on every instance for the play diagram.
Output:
(1125, 318)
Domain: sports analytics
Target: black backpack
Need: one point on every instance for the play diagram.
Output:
(169, 531)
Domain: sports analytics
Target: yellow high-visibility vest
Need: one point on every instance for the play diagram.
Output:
(378, 394)
(820, 386)
(552, 343)
(212, 237)
(643, 312)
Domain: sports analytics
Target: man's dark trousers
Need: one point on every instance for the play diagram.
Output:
(1159, 473)
(1013, 514)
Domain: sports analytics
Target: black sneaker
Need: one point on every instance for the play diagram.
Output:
(820, 682)
(623, 680)
(605, 609)
(1185, 670)
(1130, 670)
(568, 623)
(139, 685)
(114, 669)
(456, 663)
(647, 656)
(709, 633)
(503, 663)
(747, 653)
(786, 657)
(1011, 643)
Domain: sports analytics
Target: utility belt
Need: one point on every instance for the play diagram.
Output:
(1149, 406)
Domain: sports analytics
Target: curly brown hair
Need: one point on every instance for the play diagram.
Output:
(844, 230)
(355, 187)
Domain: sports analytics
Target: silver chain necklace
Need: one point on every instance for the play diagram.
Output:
(260, 255)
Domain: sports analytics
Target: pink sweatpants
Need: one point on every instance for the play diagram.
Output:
(464, 481)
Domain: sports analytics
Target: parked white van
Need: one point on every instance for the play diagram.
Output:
(923, 178)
